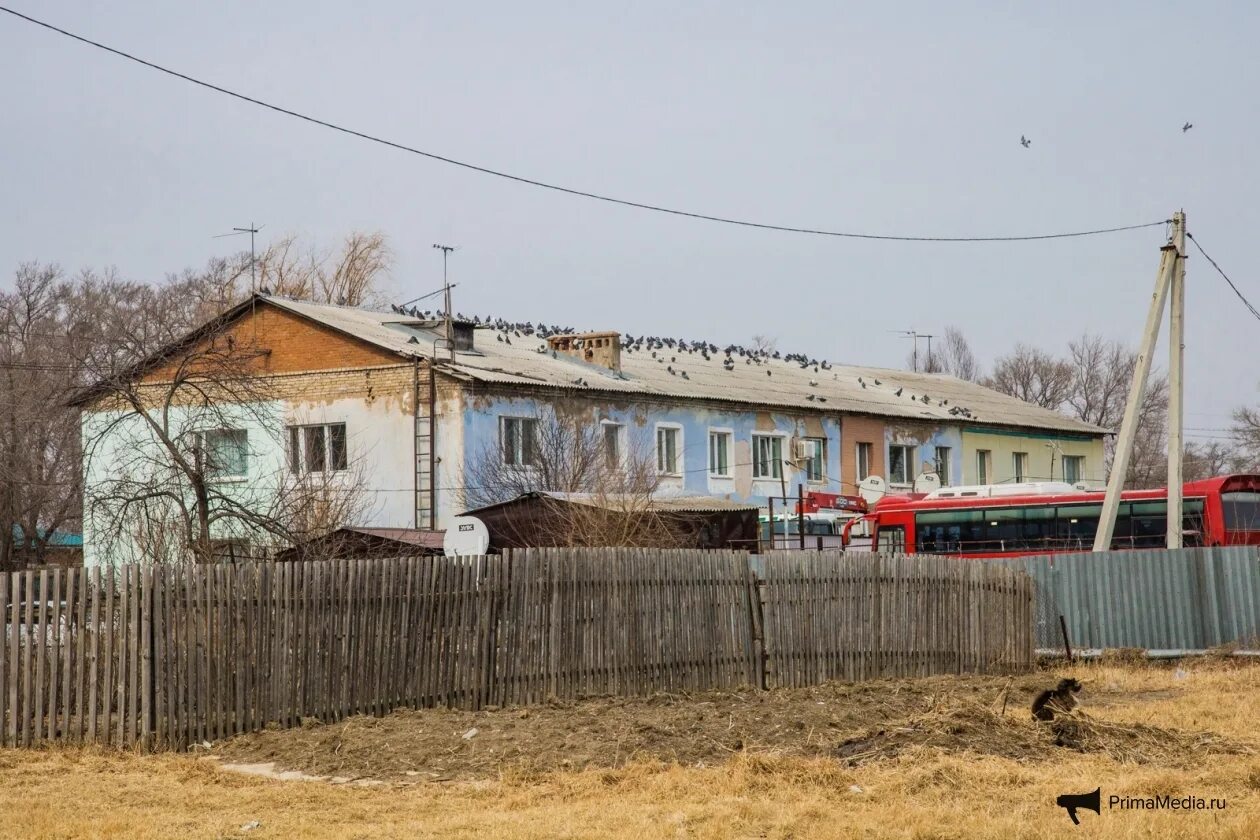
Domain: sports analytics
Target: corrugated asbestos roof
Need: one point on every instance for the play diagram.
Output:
(772, 383)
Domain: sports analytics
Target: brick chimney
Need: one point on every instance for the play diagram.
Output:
(596, 348)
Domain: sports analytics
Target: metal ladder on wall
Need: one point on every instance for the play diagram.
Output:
(424, 473)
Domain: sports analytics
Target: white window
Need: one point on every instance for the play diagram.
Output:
(1019, 462)
(900, 459)
(1073, 468)
(317, 449)
(612, 445)
(720, 454)
(942, 465)
(984, 459)
(864, 451)
(519, 437)
(767, 456)
(815, 462)
(667, 450)
(226, 452)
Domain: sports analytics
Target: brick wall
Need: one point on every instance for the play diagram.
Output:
(855, 430)
(293, 344)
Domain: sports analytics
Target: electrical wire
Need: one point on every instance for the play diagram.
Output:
(1221, 272)
(556, 187)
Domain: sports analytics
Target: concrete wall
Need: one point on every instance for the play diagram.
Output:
(639, 422)
(375, 404)
(1004, 443)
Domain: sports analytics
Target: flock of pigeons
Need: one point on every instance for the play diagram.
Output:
(1025, 142)
(672, 353)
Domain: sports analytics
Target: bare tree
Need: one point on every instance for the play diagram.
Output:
(1033, 376)
(1246, 434)
(607, 491)
(350, 275)
(764, 344)
(952, 355)
(1205, 459)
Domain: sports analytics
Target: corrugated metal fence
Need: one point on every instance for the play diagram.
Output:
(1188, 599)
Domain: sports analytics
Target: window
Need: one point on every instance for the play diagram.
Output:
(1073, 467)
(815, 461)
(519, 436)
(767, 456)
(720, 454)
(667, 450)
(612, 446)
(863, 460)
(899, 460)
(314, 449)
(942, 465)
(226, 452)
(1019, 461)
(984, 461)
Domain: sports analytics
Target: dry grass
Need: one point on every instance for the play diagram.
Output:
(916, 792)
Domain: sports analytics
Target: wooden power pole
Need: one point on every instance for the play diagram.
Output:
(1171, 277)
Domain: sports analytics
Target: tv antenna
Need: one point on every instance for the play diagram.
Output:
(446, 287)
(253, 261)
(914, 354)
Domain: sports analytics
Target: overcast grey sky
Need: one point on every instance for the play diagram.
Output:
(899, 118)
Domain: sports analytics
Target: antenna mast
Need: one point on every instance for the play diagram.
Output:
(446, 287)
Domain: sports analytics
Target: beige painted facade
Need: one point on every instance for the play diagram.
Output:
(1043, 456)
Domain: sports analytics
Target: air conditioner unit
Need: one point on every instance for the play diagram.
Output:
(803, 450)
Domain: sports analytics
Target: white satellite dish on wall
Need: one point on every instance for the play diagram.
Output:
(927, 482)
(466, 536)
(872, 489)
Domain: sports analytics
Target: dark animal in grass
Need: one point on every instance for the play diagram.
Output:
(1058, 700)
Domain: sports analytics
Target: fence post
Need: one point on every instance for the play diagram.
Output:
(756, 619)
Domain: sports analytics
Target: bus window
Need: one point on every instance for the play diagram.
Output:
(1149, 524)
(892, 539)
(1002, 527)
(1075, 526)
(1242, 511)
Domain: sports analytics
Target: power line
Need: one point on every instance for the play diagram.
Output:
(556, 187)
(1221, 272)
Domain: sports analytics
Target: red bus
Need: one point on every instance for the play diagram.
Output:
(1013, 520)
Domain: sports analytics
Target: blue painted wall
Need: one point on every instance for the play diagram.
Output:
(482, 415)
(925, 443)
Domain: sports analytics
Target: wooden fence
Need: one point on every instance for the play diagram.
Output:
(164, 657)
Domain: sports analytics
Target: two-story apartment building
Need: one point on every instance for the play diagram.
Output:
(388, 397)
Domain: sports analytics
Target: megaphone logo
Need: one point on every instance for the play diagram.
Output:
(1072, 801)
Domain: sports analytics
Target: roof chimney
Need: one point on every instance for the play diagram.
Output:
(596, 348)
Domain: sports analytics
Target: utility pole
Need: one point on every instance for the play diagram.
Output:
(1176, 391)
(446, 287)
(1170, 262)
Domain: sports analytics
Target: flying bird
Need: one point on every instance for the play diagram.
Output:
(1187, 127)
(1024, 141)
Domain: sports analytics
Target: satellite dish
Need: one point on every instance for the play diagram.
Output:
(872, 489)
(466, 536)
(927, 482)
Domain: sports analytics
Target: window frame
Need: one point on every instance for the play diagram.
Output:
(211, 470)
(728, 438)
(908, 455)
(1019, 467)
(1078, 463)
(942, 465)
(820, 457)
(297, 445)
(863, 465)
(528, 455)
(616, 458)
(984, 466)
(676, 430)
(777, 438)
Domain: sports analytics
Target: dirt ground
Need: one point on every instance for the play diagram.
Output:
(853, 724)
(917, 760)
